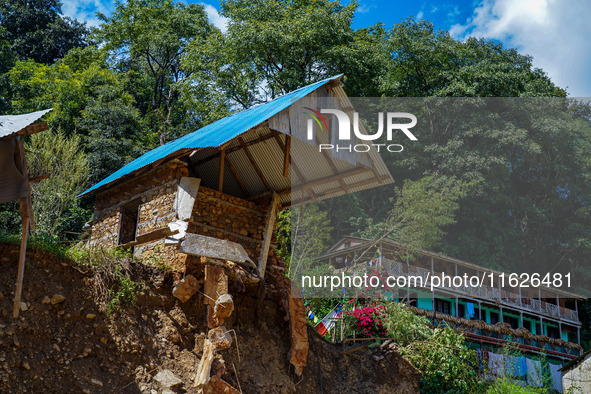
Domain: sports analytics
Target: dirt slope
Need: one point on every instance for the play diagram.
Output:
(64, 348)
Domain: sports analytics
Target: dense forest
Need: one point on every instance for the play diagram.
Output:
(155, 70)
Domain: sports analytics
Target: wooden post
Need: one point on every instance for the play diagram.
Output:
(28, 220)
(268, 234)
(222, 162)
(21, 269)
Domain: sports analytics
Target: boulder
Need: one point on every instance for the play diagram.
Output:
(167, 379)
(185, 288)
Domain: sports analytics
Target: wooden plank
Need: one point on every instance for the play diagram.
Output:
(254, 164)
(204, 369)
(221, 176)
(235, 173)
(34, 129)
(216, 284)
(286, 158)
(215, 248)
(148, 237)
(268, 234)
(21, 268)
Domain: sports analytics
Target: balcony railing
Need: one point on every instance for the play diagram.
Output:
(484, 292)
(536, 343)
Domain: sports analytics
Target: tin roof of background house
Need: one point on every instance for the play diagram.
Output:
(216, 133)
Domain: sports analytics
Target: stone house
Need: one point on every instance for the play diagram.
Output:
(206, 203)
(227, 181)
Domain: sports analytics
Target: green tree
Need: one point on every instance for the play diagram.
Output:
(303, 233)
(429, 62)
(274, 46)
(421, 211)
(148, 40)
(6, 62)
(55, 200)
(88, 99)
(36, 29)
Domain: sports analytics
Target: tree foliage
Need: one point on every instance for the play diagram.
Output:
(148, 39)
(37, 30)
(55, 200)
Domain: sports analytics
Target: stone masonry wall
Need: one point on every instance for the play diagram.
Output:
(215, 214)
(157, 191)
(223, 216)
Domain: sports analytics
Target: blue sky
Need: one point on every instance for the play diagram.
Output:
(557, 33)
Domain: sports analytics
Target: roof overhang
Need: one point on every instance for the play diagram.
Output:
(13, 125)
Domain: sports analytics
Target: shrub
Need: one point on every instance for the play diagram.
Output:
(368, 321)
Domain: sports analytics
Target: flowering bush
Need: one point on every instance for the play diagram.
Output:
(368, 321)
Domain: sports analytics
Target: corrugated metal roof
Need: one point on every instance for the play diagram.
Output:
(215, 134)
(12, 124)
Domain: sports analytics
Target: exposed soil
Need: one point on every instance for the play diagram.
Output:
(63, 348)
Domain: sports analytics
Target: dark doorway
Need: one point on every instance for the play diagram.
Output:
(128, 225)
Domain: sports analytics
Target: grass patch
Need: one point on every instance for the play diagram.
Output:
(113, 283)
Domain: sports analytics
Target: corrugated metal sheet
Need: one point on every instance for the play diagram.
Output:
(12, 124)
(215, 134)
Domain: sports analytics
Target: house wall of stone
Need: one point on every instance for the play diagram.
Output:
(156, 190)
(578, 379)
(214, 214)
(227, 217)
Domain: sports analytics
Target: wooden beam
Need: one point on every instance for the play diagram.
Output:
(254, 164)
(294, 167)
(320, 181)
(222, 163)
(332, 166)
(33, 129)
(333, 84)
(235, 173)
(234, 149)
(39, 178)
(286, 157)
(328, 192)
(21, 269)
(329, 178)
(268, 234)
(148, 237)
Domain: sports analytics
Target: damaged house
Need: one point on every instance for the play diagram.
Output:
(206, 203)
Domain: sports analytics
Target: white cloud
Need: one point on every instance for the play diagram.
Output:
(420, 15)
(364, 9)
(85, 10)
(554, 32)
(215, 18)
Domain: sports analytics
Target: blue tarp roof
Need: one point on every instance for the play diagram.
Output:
(216, 133)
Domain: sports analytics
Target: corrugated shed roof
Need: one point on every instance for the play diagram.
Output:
(12, 124)
(215, 134)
